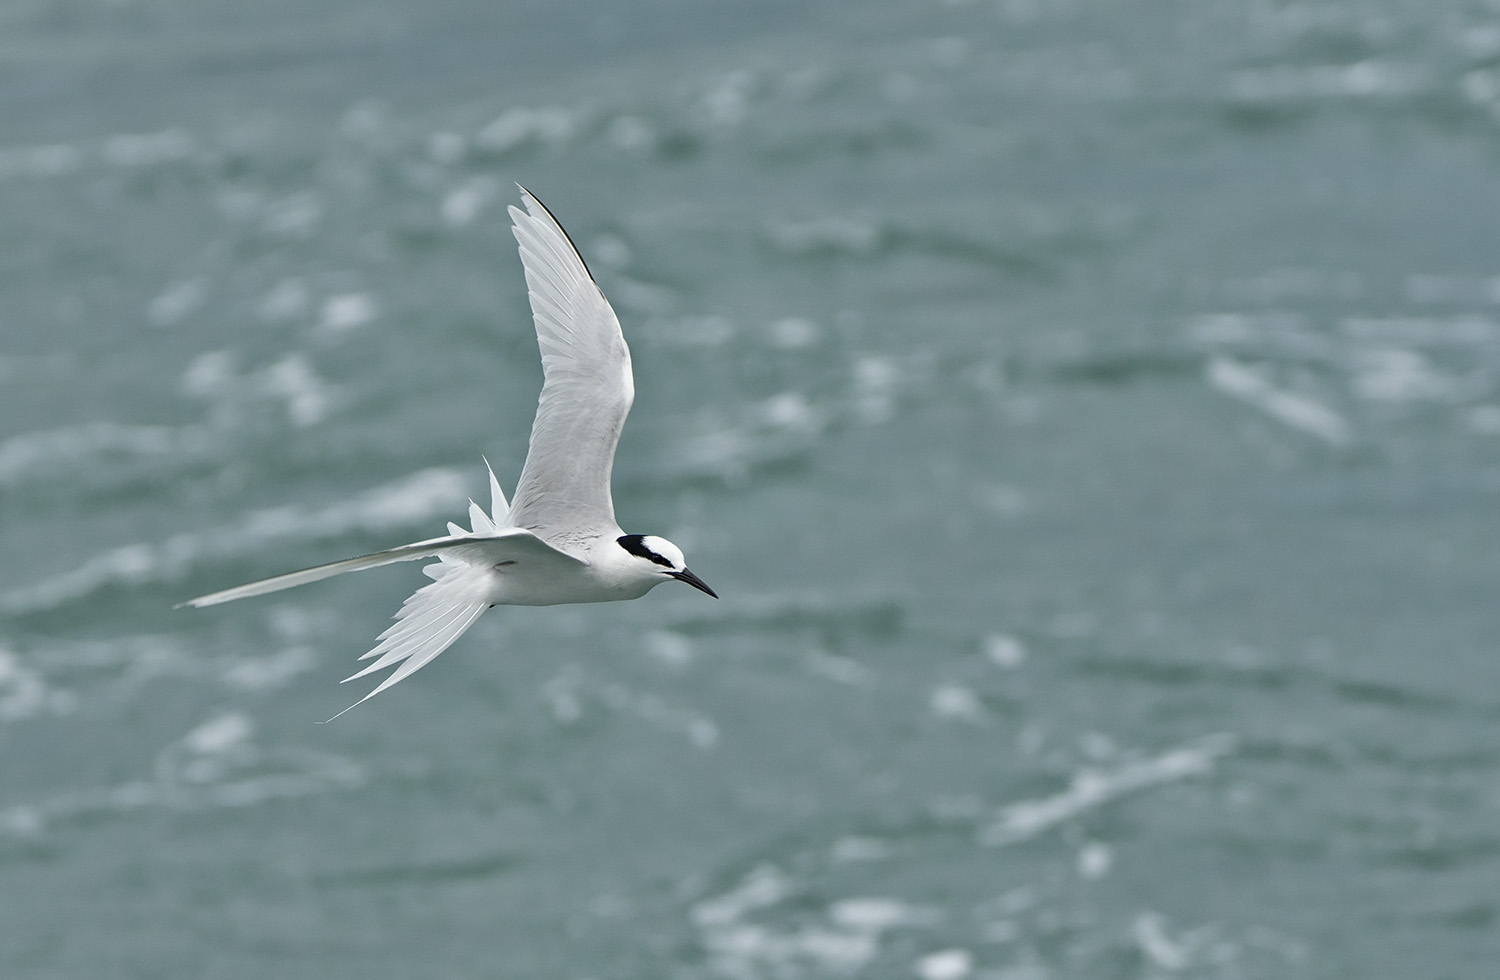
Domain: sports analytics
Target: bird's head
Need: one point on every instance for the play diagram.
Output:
(660, 558)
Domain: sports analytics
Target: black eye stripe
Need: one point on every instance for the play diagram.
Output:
(633, 544)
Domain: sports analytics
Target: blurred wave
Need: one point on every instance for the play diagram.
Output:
(1086, 411)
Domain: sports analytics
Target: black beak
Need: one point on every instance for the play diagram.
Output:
(694, 581)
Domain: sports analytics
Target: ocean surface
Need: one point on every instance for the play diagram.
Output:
(1088, 411)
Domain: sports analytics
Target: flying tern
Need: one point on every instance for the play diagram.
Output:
(557, 540)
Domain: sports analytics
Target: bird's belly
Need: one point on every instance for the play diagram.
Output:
(581, 585)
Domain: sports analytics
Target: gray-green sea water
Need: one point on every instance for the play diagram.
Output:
(1088, 411)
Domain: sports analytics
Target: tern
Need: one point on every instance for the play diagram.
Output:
(557, 540)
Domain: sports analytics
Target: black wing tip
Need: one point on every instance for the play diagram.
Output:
(566, 237)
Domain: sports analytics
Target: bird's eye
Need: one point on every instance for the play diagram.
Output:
(636, 545)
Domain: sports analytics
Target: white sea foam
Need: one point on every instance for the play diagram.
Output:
(287, 300)
(216, 764)
(1360, 79)
(1280, 332)
(520, 125)
(955, 702)
(365, 121)
(1480, 42)
(570, 691)
(1094, 860)
(610, 250)
(25, 693)
(632, 134)
(794, 333)
(1003, 500)
(1295, 410)
(1468, 330)
(854, 236)
(294, 216)
(673, 649)
(764, 886)
(1160, 949)
(879, 914)
(1092, 788)
(844, 942)
(750, 952)
(178, 301)
(780, 426)
(839, 669)
(44, 160)
(148, 149)
(345, 311)
(272, 671)
(1483, 419)
(462, 204)
(36, 455)
(446, 148)
(657, 300)
(727, 98)
(1481, 86)
(1390, 374)
(851, 849)
(945, 964)
(240, 203)
(877, 380)
(292, 381)
(209, 374)
(689, 331)
(1004, 650)
(122, 665)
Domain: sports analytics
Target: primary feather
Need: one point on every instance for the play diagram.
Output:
(587, 387)
(430, 620)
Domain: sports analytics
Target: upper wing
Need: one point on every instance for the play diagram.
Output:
(467, 548)
(587, 389)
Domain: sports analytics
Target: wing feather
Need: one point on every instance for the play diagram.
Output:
(587, 389)
(466, 548)
(429, 622)
(288, 580)
(425, 615)
(499, 507)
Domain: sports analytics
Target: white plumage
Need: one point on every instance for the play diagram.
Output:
(557, 541)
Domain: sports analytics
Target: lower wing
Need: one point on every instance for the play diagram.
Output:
(435, 615)
(429, 621)
(466, 548)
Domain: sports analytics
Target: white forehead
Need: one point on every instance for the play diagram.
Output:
(665, 548)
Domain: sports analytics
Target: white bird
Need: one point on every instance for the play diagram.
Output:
(557, 541)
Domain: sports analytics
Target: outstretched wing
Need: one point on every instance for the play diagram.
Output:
(587, 391)
(429, 621)
(437, 614)
(507, 544)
